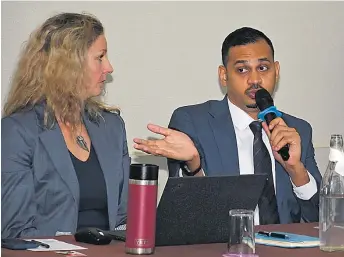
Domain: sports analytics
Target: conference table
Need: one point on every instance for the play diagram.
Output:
(116, 249)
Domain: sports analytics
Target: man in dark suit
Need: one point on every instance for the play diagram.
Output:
(226, 138)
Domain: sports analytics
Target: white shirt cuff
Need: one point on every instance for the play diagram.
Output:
(306, 191)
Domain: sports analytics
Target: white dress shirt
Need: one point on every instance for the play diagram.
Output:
(244, 137)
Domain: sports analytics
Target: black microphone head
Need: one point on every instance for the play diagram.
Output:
(263, 99)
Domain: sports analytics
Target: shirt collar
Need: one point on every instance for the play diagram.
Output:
(241, 120)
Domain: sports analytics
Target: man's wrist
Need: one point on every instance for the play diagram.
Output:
(194, 163)
(193, 166)
(298, 174)
(188, 172)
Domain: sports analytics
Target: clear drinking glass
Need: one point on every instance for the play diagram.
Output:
(241, 233)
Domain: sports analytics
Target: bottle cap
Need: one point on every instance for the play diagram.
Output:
(144, 171)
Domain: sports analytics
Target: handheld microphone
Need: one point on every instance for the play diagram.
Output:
(269, 112)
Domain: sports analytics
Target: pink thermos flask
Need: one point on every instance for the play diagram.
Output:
(141, 212)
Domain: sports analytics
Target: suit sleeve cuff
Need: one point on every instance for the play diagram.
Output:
(306, 191)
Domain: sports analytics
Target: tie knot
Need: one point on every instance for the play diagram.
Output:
(256, 127)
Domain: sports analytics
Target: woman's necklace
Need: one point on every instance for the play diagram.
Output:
(82, 143)
(80, 140)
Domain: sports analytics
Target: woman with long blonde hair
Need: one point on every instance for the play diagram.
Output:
(65, 160)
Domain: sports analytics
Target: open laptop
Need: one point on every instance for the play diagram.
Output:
(195, 210)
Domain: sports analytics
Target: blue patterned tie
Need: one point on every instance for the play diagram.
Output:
(268, 212)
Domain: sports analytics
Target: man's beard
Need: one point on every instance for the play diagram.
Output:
(252, 87)
(252, 106)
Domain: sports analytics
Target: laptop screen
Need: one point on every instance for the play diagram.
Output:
(195, 210)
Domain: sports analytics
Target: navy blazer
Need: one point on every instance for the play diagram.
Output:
(210, 127)
(39, 186)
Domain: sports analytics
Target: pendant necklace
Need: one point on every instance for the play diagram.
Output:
(81, 142)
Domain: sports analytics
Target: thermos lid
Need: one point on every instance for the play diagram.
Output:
(144, 171)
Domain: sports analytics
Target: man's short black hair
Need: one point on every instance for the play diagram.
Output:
(243, 36)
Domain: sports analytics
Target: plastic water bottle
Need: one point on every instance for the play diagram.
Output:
(331, 209)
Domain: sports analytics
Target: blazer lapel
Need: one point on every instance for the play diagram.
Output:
(53, 141)
(109, 156)
(110, 159)
(225, 138)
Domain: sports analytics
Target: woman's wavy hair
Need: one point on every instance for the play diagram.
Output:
(52, 68)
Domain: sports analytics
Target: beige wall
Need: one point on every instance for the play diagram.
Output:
(166, 54)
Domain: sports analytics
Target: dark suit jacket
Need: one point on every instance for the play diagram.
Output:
(39, 186)
(210, 127)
